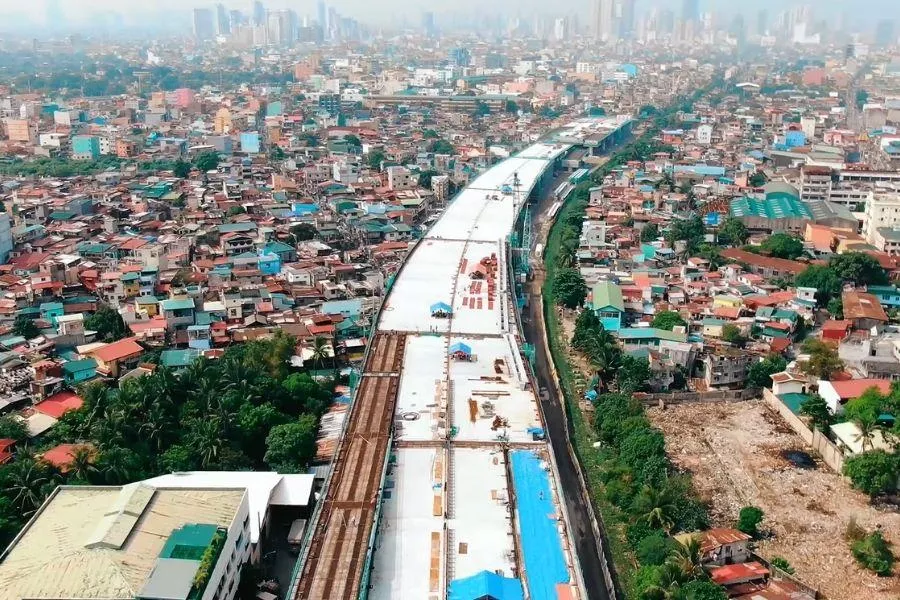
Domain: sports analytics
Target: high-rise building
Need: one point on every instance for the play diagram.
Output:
(690, 11)
(885, 34)
(259, 13)
(223, 23)
(204, 27)
(762, 22)
(560, 28)
(428, 25)
(322, 16)
(280, 31)
(625, 15)
(604, 20)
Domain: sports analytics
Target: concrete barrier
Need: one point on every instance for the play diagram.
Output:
(698, 397)
(831, 455)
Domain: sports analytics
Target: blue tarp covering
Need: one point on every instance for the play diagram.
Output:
(486, 585)
(460, 347)
(545, 565)
(441, 307)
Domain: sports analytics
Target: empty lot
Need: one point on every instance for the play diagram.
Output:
(735, 452)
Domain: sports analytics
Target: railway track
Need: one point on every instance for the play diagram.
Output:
(337, 553)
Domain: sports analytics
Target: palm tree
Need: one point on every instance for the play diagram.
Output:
(156, 427)
(29, 482)
(96, 398)
(866, 436)
(82, 468)
(688, 557)
(656, 508)
(320, 351)
(206, 441)
(668, 583)
(606, 360)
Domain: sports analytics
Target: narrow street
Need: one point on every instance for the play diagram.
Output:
(588, 547)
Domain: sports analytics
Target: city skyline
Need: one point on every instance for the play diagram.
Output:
(81, 12)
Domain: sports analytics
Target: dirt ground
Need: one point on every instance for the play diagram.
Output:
(735, 454)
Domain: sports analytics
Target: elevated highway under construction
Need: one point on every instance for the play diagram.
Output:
(444, 483)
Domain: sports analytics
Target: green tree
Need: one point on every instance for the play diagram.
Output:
(668, 320)
(376, 157)
(823, 359)
(569, 288)
(757, 180)
(688, 557)
(12, 428)
(353, 141)
(442, 147)
(823, 279)
(633, 374)
(818, 412)
(690, 231)
(656, 508)
(108, 323)
(235, 211)
(655, 548)
(586, 325)
(783, 564)
(650, 232)
(701, 589)
(874, 473)
(733, 232)
(291, 446)
(25, 327)
(749, 519)
(181, 169)
(511, 107)
(304, 232)
(836, 308)
(207, 161)
(858, 268)
(732, 334)
(760, 373)
(873, 552)
(782, 245)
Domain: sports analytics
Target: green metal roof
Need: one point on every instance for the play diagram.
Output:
(775, 206)
(606, 294)
(649, 333)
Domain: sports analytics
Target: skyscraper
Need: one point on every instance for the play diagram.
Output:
(762, 22)
(690, 11)
(604, 20)
(625, 14)
(428, 23)
(223, 24)
(204, 28)
(258, 13)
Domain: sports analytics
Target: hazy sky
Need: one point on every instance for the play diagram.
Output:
(381, 11)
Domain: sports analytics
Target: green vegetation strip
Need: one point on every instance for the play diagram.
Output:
(637, 506)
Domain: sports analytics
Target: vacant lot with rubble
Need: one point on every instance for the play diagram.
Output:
(736, 453)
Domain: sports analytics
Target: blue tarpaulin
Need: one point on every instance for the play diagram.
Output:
(461, 348)
(486, 585)
(441, 307)
(545, 565)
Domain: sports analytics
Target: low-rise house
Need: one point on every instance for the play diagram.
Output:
(837, 393)
(76, 372)
(726, 367)
(863, 310)
(607, 304)
(720, 546)
(116, 358)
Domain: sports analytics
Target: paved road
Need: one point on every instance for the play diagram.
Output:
(586, 544)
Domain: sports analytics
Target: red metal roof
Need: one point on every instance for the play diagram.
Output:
(738, 573)
(59, 404)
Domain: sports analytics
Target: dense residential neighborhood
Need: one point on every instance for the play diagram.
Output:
(553, 306)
